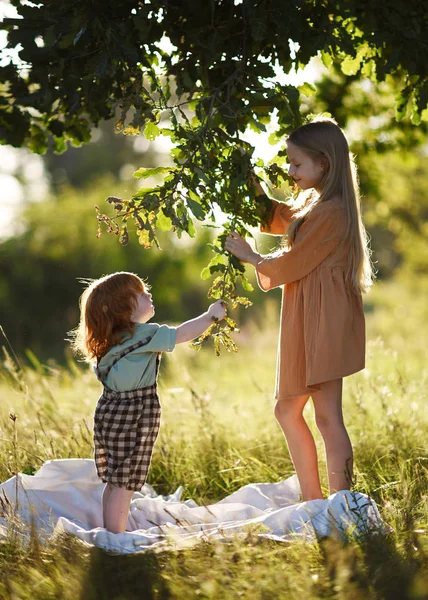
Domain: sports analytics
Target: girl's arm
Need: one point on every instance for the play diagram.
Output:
(192, 329)
(281, 215)
(257, 186)
(321, 237)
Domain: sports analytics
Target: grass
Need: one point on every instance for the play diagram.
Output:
(218, 434)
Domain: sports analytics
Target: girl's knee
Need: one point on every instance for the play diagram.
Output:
(322, 422)
(277, 411)
(328, 423)
(281, 410)
(287, 410)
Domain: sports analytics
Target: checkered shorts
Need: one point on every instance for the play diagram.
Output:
(126, 425)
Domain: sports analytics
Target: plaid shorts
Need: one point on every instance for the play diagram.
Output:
(126, 425)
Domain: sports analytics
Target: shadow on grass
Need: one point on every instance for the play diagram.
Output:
(134, 576)
(392, 567)
(376, 568)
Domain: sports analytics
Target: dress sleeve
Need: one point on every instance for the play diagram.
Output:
(279, 219)
(318, 236)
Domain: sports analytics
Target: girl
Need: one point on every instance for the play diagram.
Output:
(113, 332)
(323, 271)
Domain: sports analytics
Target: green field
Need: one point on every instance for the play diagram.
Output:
(218, 434)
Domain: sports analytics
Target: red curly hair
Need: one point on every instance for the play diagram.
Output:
(106, 307)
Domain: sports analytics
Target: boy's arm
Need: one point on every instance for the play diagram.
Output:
(195, 327)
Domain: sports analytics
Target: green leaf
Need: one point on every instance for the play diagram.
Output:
(38, 142)
(415, 117)
(327, 59)
(141, 192)
(60, 145)
(248, 287)
(168, 132)
(369, 69)
(256, 125)
(274, 138)
(143, 172)
(151, 131)
(307, 89)
(163, 223)
(351, 66)
(191, 229)
(195, 207)
(145, 237)
(217, 263)
(201, 174)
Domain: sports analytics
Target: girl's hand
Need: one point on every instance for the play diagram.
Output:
(236, 245)
(217, 311)
(256, 185)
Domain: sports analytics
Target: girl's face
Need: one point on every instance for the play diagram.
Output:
(306, 171)
(144, 309)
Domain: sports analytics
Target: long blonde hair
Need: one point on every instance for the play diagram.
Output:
(322, 139)
(106, 307)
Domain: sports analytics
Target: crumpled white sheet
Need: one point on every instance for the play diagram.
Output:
(65, 496)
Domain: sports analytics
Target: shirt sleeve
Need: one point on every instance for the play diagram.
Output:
(280, 217)
(163, 340)
(317, 238)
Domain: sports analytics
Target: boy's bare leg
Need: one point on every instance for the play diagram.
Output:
(106, 495)
(116, 508)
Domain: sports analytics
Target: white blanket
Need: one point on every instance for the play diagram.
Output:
(65, 495)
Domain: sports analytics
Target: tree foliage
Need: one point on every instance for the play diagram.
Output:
(83, 62)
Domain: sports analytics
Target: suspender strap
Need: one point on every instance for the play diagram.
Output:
(124, 353)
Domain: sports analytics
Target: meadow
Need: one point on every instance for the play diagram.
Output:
(218, 434)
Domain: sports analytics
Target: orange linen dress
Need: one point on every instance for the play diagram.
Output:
(322, 331)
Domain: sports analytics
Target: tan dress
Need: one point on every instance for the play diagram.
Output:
(322, 332)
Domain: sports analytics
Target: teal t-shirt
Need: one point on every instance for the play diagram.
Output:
(138, 368)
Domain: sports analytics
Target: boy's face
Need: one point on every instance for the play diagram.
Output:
(306, 171)
(144, 309)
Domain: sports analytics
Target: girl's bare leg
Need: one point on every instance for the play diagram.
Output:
(329, 418)
(116, 502)
(301, 444)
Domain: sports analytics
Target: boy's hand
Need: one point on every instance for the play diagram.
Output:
(217, 311)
